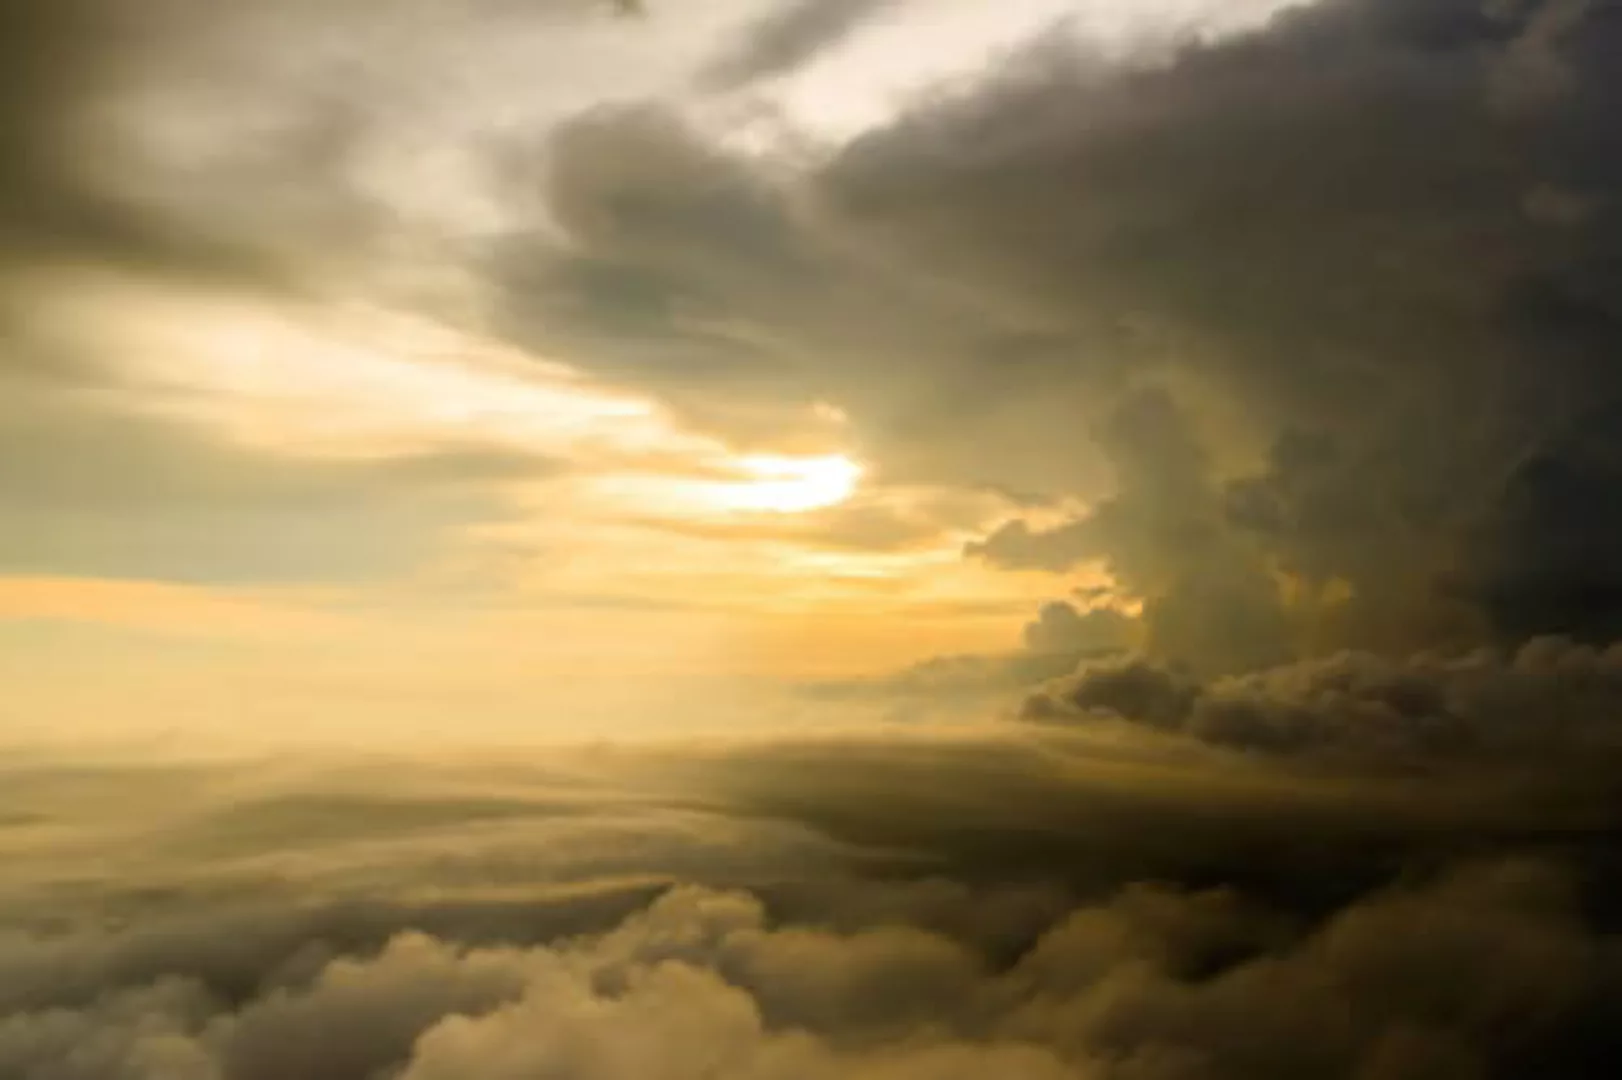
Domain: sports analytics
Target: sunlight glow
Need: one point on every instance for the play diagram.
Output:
(790, 485)
(727, 484)
(372, 383)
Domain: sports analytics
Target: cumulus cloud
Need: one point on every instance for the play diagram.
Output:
(1549, 697)
(1061, 628)
(1486, 966)
(1303, 413)
(1185, 200)
(923, 904)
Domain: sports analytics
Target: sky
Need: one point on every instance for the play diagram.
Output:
(361, 357)
(783, 539)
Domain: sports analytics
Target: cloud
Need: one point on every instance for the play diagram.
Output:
(90, 488)
(50, 60)
(1207, 593)
(1262, 284)
(1303, 413)
(1059, 640)
(926, 904)
(257, 150)
(1061, 628)
(1550, 699)
(1151, 982)
(787, 39)
(1299, 417)
(1534, 72)
(1133, 688)
(75, 185)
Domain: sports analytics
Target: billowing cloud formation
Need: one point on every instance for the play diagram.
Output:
(1551, 697)
(587, 920)
(1480, 967)
(1061, 628)
(1315, 319)
(1312, 321)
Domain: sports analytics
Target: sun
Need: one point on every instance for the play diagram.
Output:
(790, 485)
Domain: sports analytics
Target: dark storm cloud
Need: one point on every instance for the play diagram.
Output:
(1317, 319)
(788, 38)
(1330, 218)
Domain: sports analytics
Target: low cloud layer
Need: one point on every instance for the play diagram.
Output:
(913, 905)
(1454, 978)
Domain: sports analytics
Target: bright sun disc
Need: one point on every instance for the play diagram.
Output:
(791, 485)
